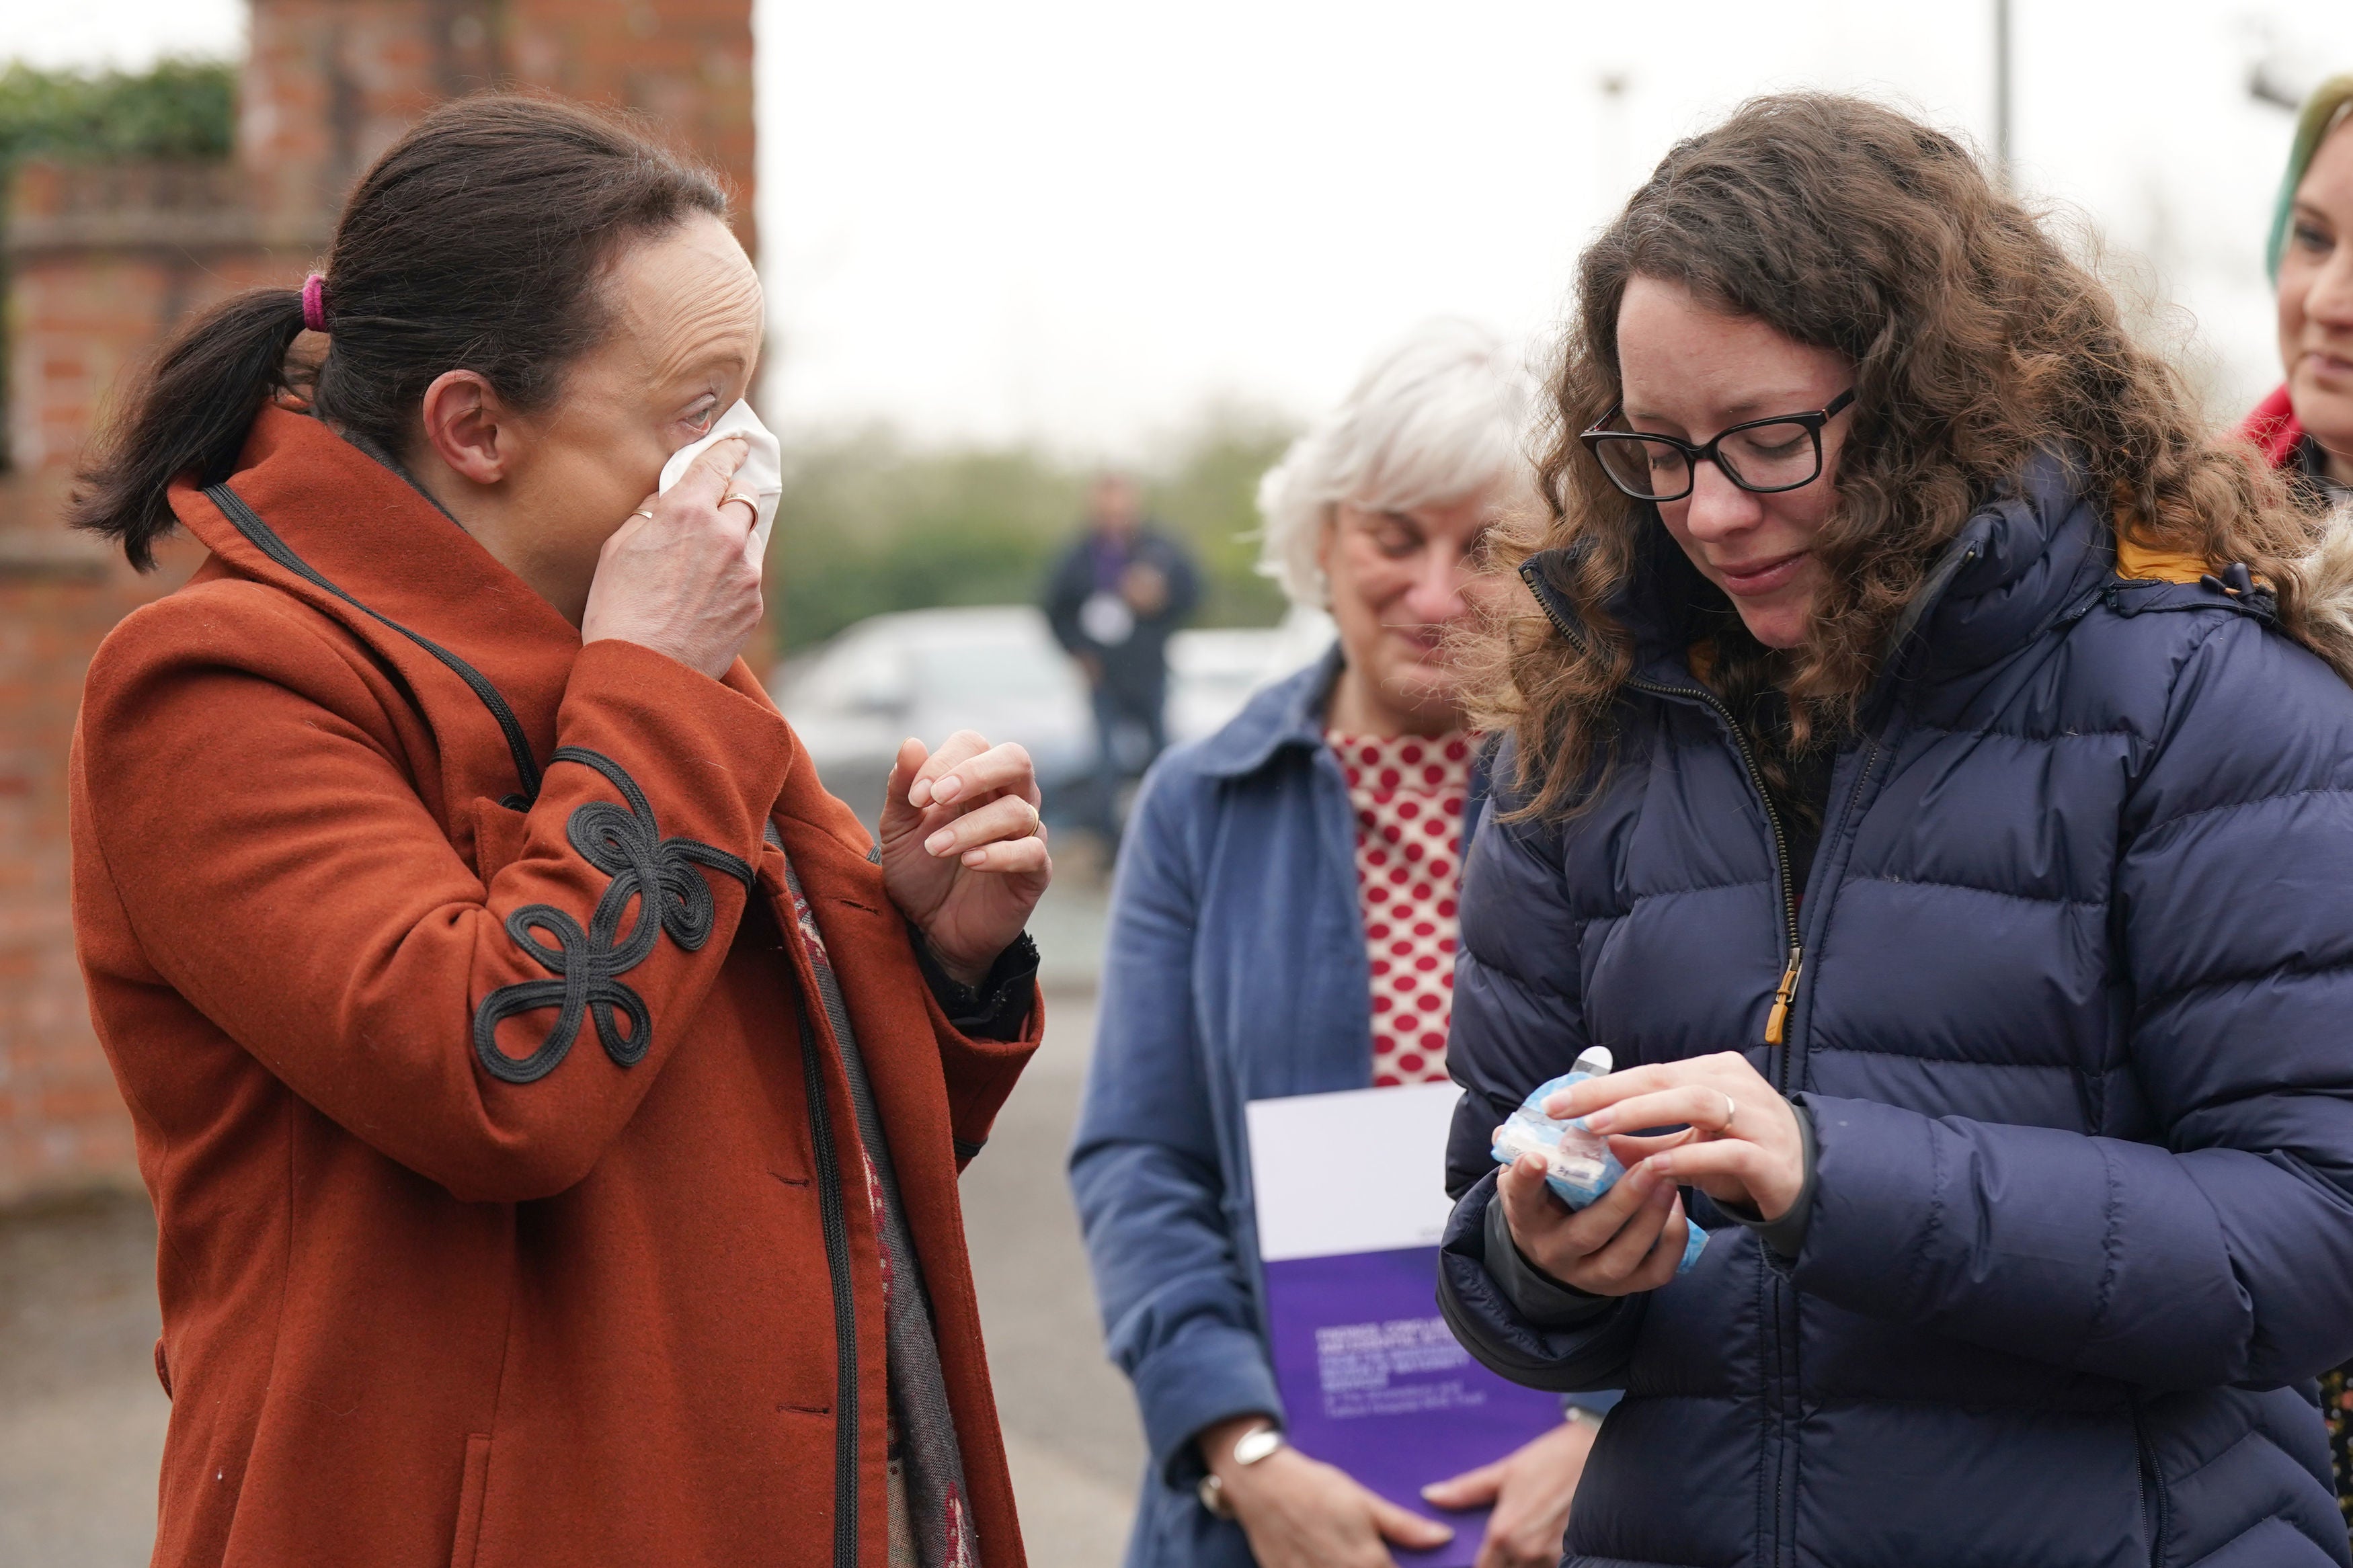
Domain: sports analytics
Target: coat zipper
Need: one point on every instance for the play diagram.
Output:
(845, 1304)
(1776, 1022)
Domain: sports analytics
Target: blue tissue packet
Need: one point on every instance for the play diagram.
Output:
(1580, 1165)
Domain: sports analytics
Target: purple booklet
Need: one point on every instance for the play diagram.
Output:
(1371, 1380)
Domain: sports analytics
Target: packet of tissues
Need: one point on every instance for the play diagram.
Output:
(1579, 1164)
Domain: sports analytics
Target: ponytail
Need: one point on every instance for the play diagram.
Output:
(189, 414)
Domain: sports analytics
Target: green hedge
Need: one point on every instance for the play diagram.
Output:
(180, 108)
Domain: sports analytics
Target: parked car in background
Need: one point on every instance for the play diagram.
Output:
(1213, 671)
(995, 669)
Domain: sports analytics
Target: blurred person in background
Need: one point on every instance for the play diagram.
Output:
(1928, 766)
(2306, 428)
(1115, 598)
(552, 1100)
(1259, 947)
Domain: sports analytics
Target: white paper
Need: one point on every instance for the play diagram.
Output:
(1363, 1170)
(762, 477)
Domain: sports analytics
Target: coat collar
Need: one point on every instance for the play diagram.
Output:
(2274, 429)
(378, 538)
(1290, 713)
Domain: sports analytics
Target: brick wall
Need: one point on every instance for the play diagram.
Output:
(103, 261)
(61, 1121)
(685, 64)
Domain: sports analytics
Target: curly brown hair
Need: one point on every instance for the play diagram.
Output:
(1977, 342)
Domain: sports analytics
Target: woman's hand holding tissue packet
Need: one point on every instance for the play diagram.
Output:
(1624, 1237)
(682, 574)
(1622, 1229)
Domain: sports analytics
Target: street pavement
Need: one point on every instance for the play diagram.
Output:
(1070, 1429)
(82, 1415)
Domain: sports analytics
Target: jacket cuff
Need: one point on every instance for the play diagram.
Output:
(995, 1009)
(1213, 1373)
(1590, 1355)
(980, 1071)
(1785, 1238)
(1876, 1196)
(1544, 1301)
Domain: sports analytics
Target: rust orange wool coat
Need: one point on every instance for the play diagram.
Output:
(418, 1312)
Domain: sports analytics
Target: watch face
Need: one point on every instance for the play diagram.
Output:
(1253, 1447)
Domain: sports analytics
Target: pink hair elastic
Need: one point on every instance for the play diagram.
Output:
(314, 302)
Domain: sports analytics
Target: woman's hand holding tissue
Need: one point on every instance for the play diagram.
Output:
(964, 850)
(681, 576)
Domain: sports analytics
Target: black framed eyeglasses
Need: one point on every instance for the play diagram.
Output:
(1763, 457)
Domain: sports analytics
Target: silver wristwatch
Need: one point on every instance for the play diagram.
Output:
(1249, 1448)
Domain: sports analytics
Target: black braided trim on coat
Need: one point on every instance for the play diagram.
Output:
(658, 874)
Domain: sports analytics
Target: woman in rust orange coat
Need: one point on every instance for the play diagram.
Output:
(552, 1099)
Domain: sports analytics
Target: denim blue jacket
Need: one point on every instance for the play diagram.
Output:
(1235, 971)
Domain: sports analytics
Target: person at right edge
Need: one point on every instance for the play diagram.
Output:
(2306, 428)
(1928, 766)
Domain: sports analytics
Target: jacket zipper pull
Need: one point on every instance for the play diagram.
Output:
(1777, 1023)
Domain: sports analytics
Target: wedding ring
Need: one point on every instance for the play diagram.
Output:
(643, 512)
(1731, 1109)
(752, 502)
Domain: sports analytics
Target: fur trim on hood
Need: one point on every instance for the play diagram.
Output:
(2327, 574)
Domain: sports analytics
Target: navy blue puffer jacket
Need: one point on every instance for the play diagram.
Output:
(2075, 1028)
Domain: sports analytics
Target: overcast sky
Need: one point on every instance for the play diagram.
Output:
(1084, 222)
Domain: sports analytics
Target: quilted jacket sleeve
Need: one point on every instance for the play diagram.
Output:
(282, 873)
(2220, 1250)
(1518, 1020)
(1178, 1314)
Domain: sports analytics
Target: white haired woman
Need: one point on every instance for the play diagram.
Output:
(1283, 923)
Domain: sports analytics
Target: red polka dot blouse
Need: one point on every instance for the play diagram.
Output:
(1409, 791)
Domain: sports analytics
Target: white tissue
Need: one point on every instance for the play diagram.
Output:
(762, 477)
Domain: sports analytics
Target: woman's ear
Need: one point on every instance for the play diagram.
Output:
(468, 428)
(1327, 534)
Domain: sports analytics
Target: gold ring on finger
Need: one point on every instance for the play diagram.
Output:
(1731, 1110)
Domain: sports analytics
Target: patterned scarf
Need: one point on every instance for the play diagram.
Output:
(931, 1517)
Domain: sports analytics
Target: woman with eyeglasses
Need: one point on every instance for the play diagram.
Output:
(1919, 773)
